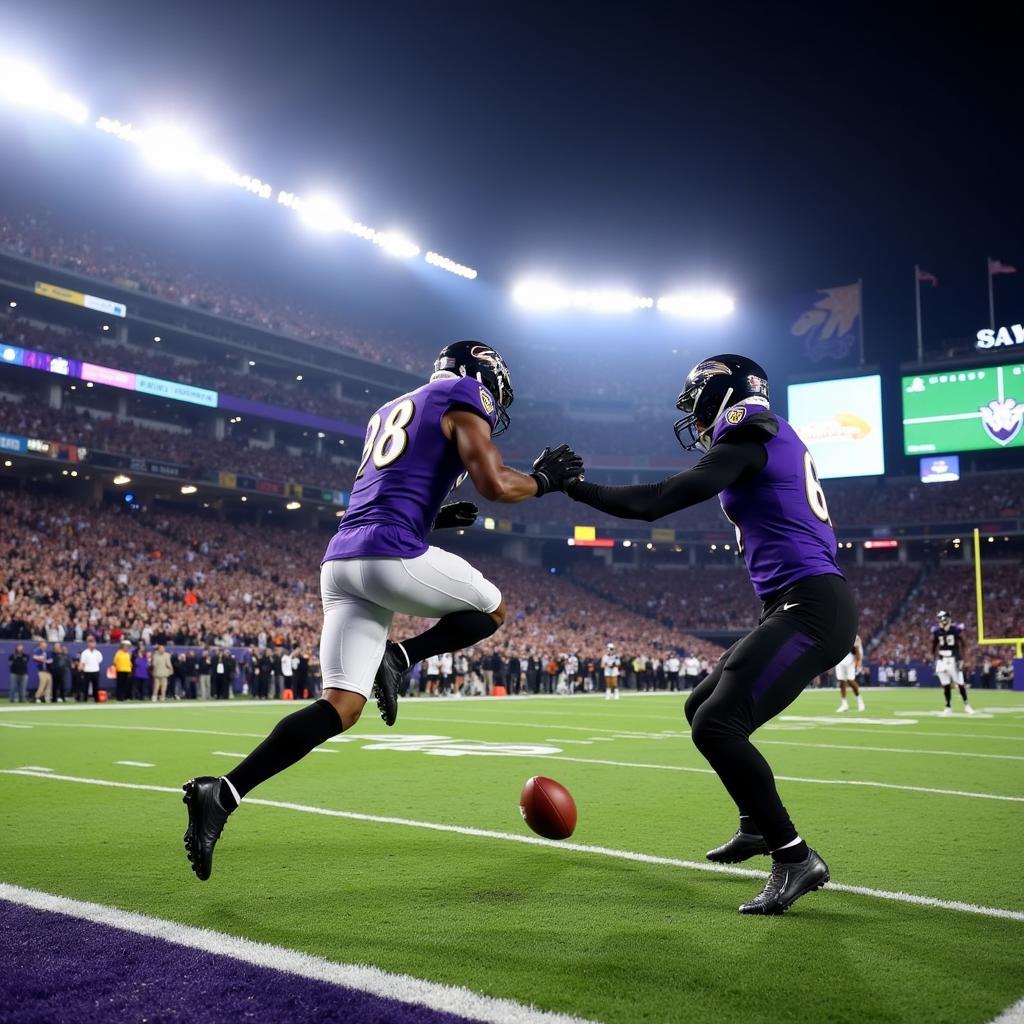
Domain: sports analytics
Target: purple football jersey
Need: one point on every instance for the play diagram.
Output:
(781, 519)
(408, 469)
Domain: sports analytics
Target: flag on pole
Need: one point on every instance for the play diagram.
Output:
(998, 267)
(927, 278)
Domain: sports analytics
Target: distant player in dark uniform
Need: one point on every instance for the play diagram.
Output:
(948, 655)
(768, 487)
(418, 446)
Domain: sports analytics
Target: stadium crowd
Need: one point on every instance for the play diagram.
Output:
(44, 237)
(279, 390)
(85, 428)
(67, 573)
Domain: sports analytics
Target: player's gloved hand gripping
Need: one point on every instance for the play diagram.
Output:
(555, 469)
(457, 514)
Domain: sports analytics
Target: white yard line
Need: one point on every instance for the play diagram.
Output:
(886, 750)
(401, 987)
(788, 778)
(1012, 1014)
(529, 840)
(136, 764)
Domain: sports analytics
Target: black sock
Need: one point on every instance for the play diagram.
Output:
(291, 740)
(747, 826)
(963, 691)
(948, 691)
(451, 633)
(791, 854)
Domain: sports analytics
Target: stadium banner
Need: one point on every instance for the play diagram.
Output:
(100, 305)
(226, 479)
(992, 338)
(12, 355)
(113, 378)
(828, 322)
(33, 360)
(316, 493)
(13, 444)
(840, 421)
(232, 403)
(56, 450)
(962, 410)
(941, 470)
(662, 535)
(177, 391)
(138, 464)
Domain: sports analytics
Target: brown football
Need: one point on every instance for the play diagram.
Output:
(548, 808)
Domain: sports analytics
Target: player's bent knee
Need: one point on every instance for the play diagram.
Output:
(692, 705)
(347, 703)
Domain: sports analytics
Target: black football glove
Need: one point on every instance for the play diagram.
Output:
(458, 513)
(556, 468)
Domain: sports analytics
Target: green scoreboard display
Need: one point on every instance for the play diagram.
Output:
(964, 410)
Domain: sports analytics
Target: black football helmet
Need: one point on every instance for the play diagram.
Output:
(711, 387)
(944, 620)
(480, 361)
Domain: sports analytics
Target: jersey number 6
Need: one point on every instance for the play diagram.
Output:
(815, 495)
(392, 441)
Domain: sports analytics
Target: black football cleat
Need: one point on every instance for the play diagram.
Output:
(387, 681)
(786, 884)
(206, 819)
(741, 847)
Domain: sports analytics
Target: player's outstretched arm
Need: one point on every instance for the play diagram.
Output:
(491, 477)
(721, 467)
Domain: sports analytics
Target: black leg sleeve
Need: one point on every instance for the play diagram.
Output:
(451, 633)
(291, 740)
(762, 675)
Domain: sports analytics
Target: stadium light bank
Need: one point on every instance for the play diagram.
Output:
(550, 296)
(172, 149)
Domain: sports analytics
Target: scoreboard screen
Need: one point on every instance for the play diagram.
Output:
(840, 421)
(964, 410)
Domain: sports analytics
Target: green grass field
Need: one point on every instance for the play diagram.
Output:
(583, 931)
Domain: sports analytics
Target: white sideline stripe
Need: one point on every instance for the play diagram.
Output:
(12, 725)
(1012, 1014)
(890, 750)
(34, 768)
(400, 987)
(788, 778)
(580, 743)
(527, 840)
(136, 764)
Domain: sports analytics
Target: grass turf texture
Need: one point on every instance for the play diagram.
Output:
(580, 933)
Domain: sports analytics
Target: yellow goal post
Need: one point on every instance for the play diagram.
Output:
(1017, 641)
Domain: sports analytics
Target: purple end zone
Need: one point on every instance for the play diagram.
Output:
(62, 970)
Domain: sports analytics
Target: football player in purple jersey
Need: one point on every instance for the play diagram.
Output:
(765, 478)
(418, 447)
(948, 655)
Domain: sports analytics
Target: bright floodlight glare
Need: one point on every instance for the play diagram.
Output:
(321, 213)
(697, 304)
(396, 244)
(435, 259)
(537, 293)
(27, 86)
(169, 148)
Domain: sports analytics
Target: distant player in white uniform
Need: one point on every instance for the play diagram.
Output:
(572, 672)
(948, 652)
(846, 675)
(610, 663)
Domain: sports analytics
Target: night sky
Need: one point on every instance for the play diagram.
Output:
(769, 148)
